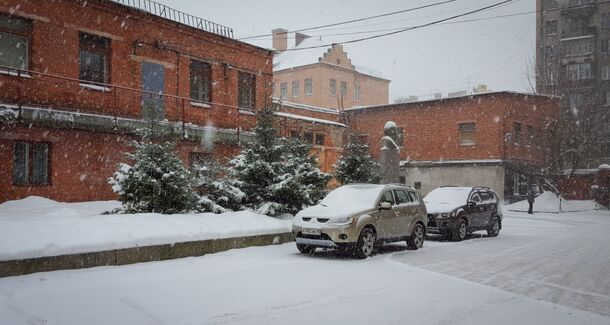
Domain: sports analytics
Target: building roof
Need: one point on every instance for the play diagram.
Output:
(303, 54)
(415, 104)
(305, 106)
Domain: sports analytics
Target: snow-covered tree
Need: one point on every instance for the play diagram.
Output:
(156, 181)
(217, 193)
(356, 164)
(274, 174)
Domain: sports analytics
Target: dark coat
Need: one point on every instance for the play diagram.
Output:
(530, 196)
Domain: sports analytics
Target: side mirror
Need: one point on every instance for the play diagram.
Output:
(385, 206)
(472, 204)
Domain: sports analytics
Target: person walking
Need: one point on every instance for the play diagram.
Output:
(530, 199)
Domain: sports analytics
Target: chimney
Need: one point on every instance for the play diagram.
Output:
(280, 39)
(299, 37)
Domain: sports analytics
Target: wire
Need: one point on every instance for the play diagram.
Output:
(353, 21)
(405, 29)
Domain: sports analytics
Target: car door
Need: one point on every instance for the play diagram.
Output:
(386, 218)
(490, 203)
(399, 227)
(477, 212)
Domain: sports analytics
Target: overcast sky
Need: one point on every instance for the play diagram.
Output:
(441, 58)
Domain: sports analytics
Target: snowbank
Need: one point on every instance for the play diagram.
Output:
(549, 202)
(36, 227)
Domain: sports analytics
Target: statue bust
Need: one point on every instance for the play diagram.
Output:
(390, 137)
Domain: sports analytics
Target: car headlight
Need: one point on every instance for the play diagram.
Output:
(342, 220)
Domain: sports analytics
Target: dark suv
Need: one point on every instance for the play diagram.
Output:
(457, 211)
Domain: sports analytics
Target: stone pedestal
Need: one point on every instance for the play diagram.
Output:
(389, 157)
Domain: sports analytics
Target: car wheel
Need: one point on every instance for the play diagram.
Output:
(366, 243)
(460, 232)
(305, 249)
(416, 240)
(494, 228)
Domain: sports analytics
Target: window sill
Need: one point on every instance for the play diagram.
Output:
(15, 73)
(95, 87)
(200, 104)
(246, 112)
(467, 145)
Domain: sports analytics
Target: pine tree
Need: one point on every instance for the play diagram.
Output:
(217, 193)
(157, 181)
(356, 164)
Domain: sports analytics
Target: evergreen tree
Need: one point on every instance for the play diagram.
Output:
(356, 164)
(217, 193)
(157, 181)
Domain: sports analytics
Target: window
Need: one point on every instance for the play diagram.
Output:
(284, 90)
(517, 133)
(549, 4)
(201, 81)
(417, 185)
(579, 3)
(308, 137)
(475, 197)
(604, 46)
(343, 89)
(576, 100)
(608, 98)
(294, 134)
(295, 88)
(529, 133)
(14, 41)
(578, 47)
(606, 72)
(357, 93)
(402, 180)
(308, 87)
(387, 197)
(94, 58)
(467, 134)
(320, 139)
(605, 20)
(333, 87)
(246, 85)
(551, 27)
(414, 197)
(402, 197)
(31, 163)
(550, 53)
(578, 71)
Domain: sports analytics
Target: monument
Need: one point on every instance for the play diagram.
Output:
(389, 158)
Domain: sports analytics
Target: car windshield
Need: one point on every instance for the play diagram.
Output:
(360, 195)
(448, 195)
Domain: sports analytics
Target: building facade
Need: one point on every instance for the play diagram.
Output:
(573, 62)
(324, 76)
(495, 139)
(77, 78)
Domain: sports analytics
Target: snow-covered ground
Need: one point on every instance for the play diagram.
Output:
(549, 202)
(35, 227)
(542, 269)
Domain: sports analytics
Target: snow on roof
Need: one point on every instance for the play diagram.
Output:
(414, 104)
(307, 56)
(451, 162)
(309, 119)
(305, 106)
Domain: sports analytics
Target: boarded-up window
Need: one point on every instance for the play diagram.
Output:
(201, 81)
(31, 163)
(94, 58)
(14, 41)
(320, 139)
(246, 90)
(467, 134)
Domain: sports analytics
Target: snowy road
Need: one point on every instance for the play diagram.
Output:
(549, 269)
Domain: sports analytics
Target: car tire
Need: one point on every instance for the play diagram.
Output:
(366, 243)
(494, 227)
(306, 249)
(416, 240)
(460, 232)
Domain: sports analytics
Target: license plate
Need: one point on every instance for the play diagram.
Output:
(311, 231)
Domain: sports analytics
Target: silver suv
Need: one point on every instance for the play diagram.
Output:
(355, 217)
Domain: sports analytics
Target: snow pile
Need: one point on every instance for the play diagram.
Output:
(549, 202)
(35, 227)
(7, 114)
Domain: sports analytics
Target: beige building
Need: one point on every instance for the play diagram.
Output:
(323, 76)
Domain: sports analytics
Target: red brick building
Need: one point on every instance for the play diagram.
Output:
(495, 139)
(77, 77)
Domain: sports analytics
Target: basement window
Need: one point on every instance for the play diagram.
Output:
(201, 81)
(14, 42)
(467, 134)
(31, 163)
(94, 58)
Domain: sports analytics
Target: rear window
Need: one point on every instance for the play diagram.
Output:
(414, 197)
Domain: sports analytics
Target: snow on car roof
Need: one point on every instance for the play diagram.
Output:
(361, 195)
(446, 199)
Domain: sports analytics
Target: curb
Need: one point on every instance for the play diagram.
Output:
(133, 255)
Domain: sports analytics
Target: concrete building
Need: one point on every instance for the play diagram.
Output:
(573, 62)
(494, 139)
(78, 77)
(323, 76)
